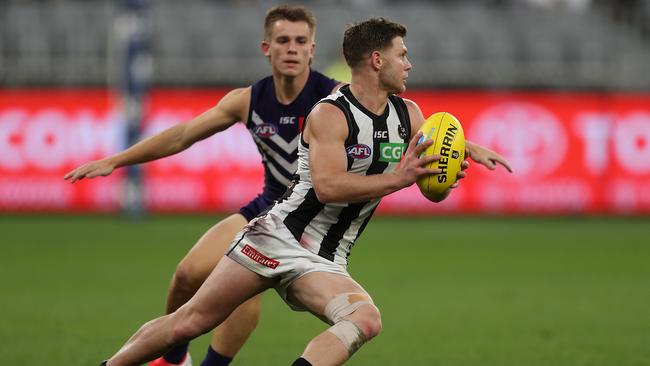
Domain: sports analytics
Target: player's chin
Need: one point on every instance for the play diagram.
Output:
(293, 70)
(399, 89)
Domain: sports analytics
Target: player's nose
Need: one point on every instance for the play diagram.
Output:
(293, 47)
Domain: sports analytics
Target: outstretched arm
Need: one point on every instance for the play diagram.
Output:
(476, 152)
(485, 156)
(325, 132)
(233, 107)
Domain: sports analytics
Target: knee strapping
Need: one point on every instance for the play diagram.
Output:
(345, 304)
(347, 331)
(350, 335)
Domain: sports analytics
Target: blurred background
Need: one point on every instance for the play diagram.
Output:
(559, 87)
(545, 266)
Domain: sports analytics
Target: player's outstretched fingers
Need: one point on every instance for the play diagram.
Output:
(426, 160)
(503, 162)
(79, 175)
(422, 147)
(71, 176)
(90, 170)
(430, 171)
(415, 147)
(488, 163)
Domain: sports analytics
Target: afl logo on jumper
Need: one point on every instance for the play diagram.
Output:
(265, 130)
(359, 151)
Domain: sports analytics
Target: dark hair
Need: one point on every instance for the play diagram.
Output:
(374, 34)
(292, 13)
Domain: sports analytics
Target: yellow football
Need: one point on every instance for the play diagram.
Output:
(448, 142)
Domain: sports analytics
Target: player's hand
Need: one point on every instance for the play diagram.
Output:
(90, 170)
(412, 165)
(461, 174)
(486, 157)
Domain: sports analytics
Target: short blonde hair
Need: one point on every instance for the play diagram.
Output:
(292, 13)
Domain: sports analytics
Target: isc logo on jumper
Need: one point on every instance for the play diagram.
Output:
(391, 152)
(258, 257)
(381, 134)
(359, 151)
(287, 120)
(265, 130)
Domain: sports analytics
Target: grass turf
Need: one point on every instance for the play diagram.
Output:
(452, 290)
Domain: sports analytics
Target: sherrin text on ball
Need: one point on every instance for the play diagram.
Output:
(448, 142)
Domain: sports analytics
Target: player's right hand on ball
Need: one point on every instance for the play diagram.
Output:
(414, 166)
(90, 170)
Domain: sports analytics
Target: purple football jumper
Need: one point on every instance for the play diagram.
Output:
(275, 128)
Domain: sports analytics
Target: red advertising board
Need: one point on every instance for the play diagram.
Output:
(43, 134)
(571, 152)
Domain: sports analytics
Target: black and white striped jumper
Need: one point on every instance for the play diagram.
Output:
(375, 145)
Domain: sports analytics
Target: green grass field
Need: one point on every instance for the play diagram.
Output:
(453, 291)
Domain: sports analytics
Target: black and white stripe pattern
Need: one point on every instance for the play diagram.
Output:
(331, 229)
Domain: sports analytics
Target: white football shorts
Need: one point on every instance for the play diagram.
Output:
(267, 247)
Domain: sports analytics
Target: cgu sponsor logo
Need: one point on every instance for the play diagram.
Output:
(391, 152)
(359, 151)
(258, 257)
(265, 130)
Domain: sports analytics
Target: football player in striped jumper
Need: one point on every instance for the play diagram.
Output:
(273, 110)
(346, 163)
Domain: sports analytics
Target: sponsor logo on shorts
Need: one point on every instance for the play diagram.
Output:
(258, 257)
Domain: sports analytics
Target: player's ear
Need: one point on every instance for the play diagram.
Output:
(312, 53)
(376, 60)
(265, 46)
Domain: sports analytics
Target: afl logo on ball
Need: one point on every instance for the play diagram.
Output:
(359, 151)
(265, 130)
